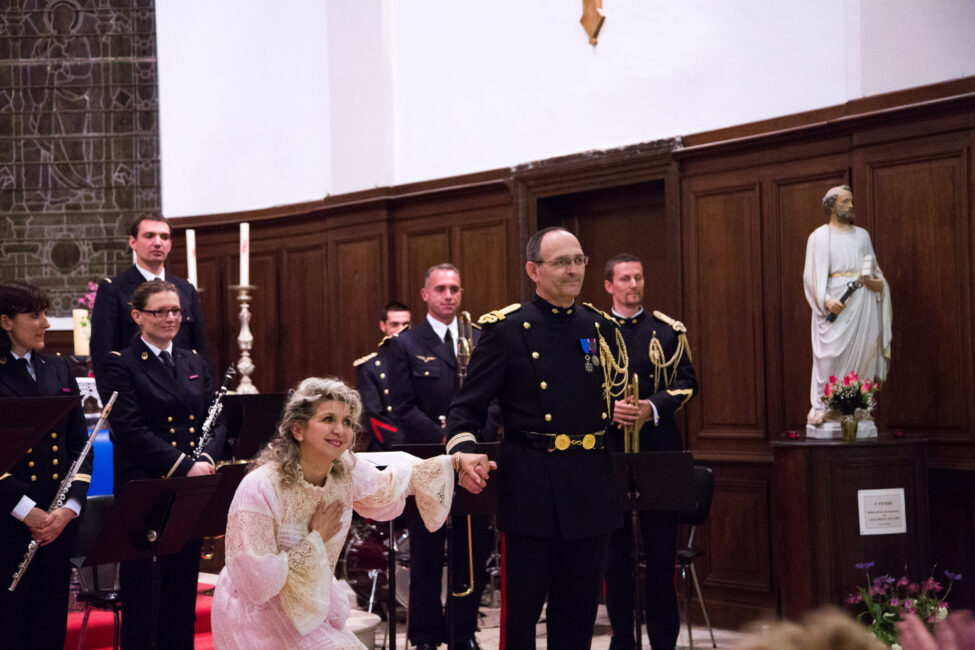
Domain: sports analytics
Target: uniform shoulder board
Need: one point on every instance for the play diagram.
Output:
(108, 280)
(193, 351)
(593, 308)
(498, 314)
(361, 360)
(475, 326)
(116, 353)
(676, 324)
(58, 353)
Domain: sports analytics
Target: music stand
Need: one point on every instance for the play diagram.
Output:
(254, 418)
(152, 518)
(659, 481)
(213, 523)
(26, 420)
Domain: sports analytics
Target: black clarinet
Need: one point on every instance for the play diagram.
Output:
(206, 435)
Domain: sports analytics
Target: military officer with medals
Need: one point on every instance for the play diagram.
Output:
(112, 328)
(35, 614)
(164, 394)
(553, 365)
(372, 382)
(423, 377)
(660, 357)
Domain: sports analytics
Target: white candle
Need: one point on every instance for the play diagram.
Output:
(245, 249)
(191, 257)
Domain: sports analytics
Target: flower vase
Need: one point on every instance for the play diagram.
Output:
(848, 424)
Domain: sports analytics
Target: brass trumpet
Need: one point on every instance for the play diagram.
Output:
(631, 432)
(465, 346)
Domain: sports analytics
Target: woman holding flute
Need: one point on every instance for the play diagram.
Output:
(35, 614)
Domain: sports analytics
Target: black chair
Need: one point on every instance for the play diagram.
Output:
(703, 487)
(99, 584)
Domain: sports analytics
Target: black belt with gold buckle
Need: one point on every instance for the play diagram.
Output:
(563, 441)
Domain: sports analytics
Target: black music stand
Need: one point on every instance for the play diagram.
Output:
(464, 504)
(251, 421)
(26, 420)
(660, 481)
(152, 518)
(213, 523)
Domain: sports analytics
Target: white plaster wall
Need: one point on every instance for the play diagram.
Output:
(359, 93)
(243, 104)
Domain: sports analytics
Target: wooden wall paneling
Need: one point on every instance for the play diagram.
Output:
(357, 291)
(953, 531)
(723, 267)
(793, 210)
(419, 245)
(736, 569)
(485, 265)
(304, 339)
(916, 206)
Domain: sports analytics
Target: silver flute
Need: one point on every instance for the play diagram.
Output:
(62, 492)
(206, 435)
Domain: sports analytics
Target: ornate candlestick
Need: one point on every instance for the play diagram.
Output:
(245, 340)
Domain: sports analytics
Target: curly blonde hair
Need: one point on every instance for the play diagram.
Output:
(302, 404)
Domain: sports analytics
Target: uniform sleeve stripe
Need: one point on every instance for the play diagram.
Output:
(687, 393)
(175, 465)
(83, 478)
(5, 476)
(209, 458)
(459, 438)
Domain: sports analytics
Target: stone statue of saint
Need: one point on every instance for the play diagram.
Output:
(840, 260)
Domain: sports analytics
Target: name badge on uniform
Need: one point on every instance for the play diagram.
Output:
(589, 348)
(192, 377)
(65, 390)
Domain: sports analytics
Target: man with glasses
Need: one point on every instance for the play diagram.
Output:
(554, 366)
(112, 327)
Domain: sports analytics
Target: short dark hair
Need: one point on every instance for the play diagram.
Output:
(19, 297)
(619, 259)
(534, 246)
(829, 201)
(446, 266)
(392, 306)
(148, 216)
(140, 297)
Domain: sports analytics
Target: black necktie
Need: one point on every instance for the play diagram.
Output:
(168, 361)
(23, 363)
(448, 342)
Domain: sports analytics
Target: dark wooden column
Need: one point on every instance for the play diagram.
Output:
(816, 541)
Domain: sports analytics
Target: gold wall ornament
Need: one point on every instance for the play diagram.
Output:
(592, 18)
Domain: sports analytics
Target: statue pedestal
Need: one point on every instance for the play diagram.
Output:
(830, 430)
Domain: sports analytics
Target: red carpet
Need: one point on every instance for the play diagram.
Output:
(99, 634)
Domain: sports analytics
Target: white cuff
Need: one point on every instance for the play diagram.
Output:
(656, 416)
(23, 507)
(73, 505)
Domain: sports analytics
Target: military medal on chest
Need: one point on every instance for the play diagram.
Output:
(589, 347)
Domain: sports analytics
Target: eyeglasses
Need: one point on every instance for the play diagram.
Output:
(162, 313)
(564, 262)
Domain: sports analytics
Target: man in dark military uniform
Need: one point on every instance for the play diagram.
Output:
(372, 382)
(164, 396)
(548, 363)
(423, 376)
(658, 354)
(112, 328)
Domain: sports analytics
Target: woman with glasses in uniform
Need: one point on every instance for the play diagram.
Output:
(163, 397)
(35, 614)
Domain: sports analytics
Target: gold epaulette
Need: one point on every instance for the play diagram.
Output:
(596, 309)
(116, 353)
(498, 314)
(676, 324)
(109, 280)
(361, 360)
(475, 326)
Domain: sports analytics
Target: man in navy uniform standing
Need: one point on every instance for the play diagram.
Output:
(659, 355)
(372, 382)
(553, 365)
(422, 362)
(112, 327)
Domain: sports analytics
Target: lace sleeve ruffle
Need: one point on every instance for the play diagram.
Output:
(305, 596)
(381, 495)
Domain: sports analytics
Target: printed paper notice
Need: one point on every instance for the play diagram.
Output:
(882, 511)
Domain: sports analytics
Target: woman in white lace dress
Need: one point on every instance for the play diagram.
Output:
(290, 517)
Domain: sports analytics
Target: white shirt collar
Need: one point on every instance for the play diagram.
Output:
(441, 329)
(157, 351)
(148, 275)
(619, 315)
